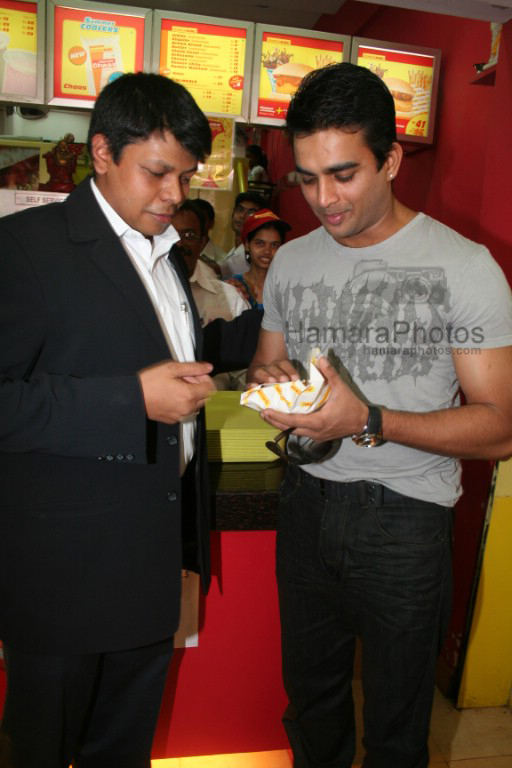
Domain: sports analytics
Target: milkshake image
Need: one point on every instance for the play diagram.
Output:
(20, 72)
(4, 43)
(103, 61)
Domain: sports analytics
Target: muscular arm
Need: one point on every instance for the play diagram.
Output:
(480, 429)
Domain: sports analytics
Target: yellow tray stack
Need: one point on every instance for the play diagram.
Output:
(235, 433)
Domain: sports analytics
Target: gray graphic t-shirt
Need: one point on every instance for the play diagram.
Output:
(390, 316)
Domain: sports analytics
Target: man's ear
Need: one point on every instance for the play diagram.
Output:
(101, 153)
(393, 160)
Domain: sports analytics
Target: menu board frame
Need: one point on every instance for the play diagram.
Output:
(146, 14)
(160, 16)
(413, 50)
(261, 30)
(38, 98)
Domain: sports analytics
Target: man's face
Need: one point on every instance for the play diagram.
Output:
(240, 213)
(191, 241)
(148, 184)
(340, 181)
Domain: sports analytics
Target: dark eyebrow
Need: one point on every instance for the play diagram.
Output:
(166, 168)
(330, 170)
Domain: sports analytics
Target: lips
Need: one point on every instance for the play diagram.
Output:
(165, 217)
(334, 219)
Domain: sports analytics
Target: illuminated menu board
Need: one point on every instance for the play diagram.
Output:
(91, 46)
(282, 58)
(411, 74)
(210, 57)
(21, 51)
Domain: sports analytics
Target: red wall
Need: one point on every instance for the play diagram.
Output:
(455, 179)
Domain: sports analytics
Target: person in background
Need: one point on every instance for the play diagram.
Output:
(211, 254)
(407, 313)
(213, 297)
(102, 438)
(262, 234)
(258, 163)
(245, 204)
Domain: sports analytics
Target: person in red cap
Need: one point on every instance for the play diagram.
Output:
(262, 234)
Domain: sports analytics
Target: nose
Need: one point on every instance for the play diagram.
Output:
(172, 190)
(327, 191)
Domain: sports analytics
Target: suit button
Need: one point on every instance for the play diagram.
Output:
(172, 496)
(130, 457)
(109, 457)
(172, 440)
(120, 456)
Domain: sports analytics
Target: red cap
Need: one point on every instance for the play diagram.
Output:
(258, 219)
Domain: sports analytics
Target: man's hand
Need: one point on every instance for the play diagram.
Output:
(280, 371)
(343, 414)
(172, 391)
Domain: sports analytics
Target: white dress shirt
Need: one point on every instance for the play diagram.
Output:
(167, 296)
(235, 262)
(213, 297)
(213, 252)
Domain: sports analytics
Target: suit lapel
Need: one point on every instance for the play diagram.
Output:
(87, 223)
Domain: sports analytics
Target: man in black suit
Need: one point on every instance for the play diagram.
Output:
(102, 436)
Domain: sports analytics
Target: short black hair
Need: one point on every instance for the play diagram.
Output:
(348, 97)
(250, 197)
(134, 106)
(255, 151)
(207, 208)
(192, 205)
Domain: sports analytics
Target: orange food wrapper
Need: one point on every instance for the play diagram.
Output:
(290, 396)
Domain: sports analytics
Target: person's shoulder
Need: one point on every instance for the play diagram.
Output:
(302, 246)
(448, 237)
(47, 214)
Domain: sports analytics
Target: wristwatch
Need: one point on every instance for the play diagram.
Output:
(371, 436)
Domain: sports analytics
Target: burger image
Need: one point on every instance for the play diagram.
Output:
(288, 76)
(401, 92)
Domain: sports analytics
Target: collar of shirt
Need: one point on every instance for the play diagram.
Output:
(204, 276)
(149, 252)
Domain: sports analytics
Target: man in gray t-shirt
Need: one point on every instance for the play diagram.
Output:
(406, 314)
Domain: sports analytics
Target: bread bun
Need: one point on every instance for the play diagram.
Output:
(288, 76)
(402, 93)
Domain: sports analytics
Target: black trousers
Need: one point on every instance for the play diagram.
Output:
(94, 710)
(359, 560)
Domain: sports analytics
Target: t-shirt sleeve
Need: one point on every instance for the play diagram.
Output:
(481, 315)
(273, 318)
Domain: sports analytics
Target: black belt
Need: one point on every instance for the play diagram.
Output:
(362, 491)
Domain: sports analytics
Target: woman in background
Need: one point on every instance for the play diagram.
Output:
(262, 234)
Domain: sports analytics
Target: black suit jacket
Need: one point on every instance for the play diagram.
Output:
(90, 492)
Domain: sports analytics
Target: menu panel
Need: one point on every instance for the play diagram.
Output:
(21, 36)
(92, 46)
(283, 57)
(210, 57)
(411, 75)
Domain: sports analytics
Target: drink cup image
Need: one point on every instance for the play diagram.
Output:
(20, 73)
(4, 43)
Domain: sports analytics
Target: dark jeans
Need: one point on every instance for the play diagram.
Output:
(96, 710)
(356, 559)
